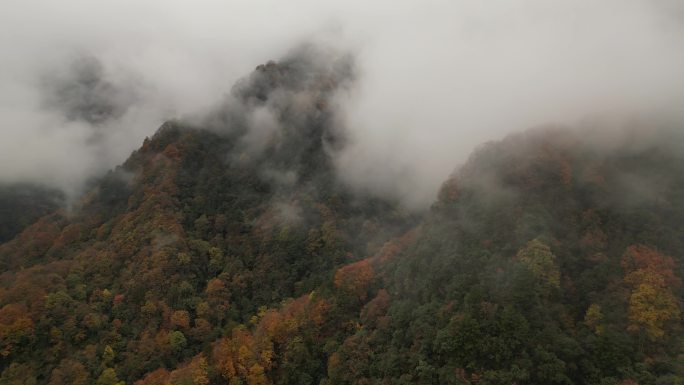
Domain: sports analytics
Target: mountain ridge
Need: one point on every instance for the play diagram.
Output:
(216, 255)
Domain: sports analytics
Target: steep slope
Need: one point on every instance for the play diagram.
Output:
(551, 257)
(191, 236)
(226, 251)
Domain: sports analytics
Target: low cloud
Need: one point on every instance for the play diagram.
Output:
(83, 83)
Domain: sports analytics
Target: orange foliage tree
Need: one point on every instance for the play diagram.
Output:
(15, 327)
(355, 277)
(248, 356)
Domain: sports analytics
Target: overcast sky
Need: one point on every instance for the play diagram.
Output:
(436, 78)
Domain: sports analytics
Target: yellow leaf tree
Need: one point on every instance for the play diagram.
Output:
(652, 305)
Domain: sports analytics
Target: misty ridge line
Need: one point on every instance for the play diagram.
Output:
(419, 101)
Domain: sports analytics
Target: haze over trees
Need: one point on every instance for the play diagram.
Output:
(226, 249)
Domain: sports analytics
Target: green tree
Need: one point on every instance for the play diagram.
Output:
(177, 341)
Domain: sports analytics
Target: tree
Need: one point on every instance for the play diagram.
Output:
(108, 355)
(652, 305)
(177, 341)
(70, 372)
(18, 374)
(541, 261)
(108, 377)
(15, 327)
(180, 319)
(593, 318)
(200, 374)
(355, 277)
(651, 308)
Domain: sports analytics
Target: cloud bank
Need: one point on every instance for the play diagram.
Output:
(82, 82)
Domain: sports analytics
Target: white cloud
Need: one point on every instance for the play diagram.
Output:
(435, 77)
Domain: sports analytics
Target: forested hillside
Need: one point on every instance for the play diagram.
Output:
(227, 251)
(549, 258)
(199, 231)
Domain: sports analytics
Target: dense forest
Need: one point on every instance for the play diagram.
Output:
(226, 250)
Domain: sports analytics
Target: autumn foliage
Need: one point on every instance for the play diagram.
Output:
(356, 278)
(201, 261)
(651, 277)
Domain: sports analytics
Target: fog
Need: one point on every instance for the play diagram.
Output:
(82, 82)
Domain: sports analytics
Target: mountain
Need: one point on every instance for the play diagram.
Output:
(551, 257)
(195, 233)
(226, 250)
